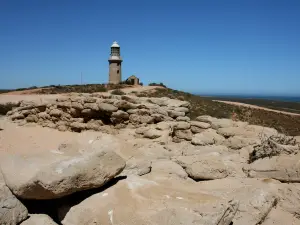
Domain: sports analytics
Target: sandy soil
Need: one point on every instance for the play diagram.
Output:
(257, 107)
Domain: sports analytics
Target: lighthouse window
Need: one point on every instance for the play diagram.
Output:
(118, 71)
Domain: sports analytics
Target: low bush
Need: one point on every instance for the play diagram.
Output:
(117, 92)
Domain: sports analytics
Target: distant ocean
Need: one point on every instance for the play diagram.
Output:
(275, 98)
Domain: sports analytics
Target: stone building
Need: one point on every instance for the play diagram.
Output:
(133, 80)
(115, 62)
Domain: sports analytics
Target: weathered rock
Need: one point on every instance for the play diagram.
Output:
(78, 126)
(256, 197)
(124, 105)
(182, 126)
(175, 114)
(119, 116)
(200, 124)
(77, 105)
(277, 216)
(163, 203)
(285, 168)
(152, 133)
(17, 116)
(238, 142)
(182, 109)
(140, 119)
(12, 211)
(107, 107)
(94, 125)
(183, 118)
(92, 106)
(203, 167)
(39, 219)
(208, 137)
(196, 130)
(184, 134)
(58, 173)
(32, 119)
(168, 167)
(137, 166)
(55, 112)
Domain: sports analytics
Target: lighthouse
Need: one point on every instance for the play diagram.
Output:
(115, 62)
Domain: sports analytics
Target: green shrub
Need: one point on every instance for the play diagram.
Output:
(118, 92)
(157, 84)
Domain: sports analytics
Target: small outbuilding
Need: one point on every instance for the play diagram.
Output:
(133, 80)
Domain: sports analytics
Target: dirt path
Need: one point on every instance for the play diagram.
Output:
(257, 107)
(138, 89)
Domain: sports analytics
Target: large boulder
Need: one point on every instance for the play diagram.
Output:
(256, 197)
(184, 134)
(12, 211)
(203, 167)
(152, 201)
(62, 172)
(168, 168)
(137, 166)
(207, 137)
(238, 142)
(285, 168)
(39, 219)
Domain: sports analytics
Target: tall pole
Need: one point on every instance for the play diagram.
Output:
(81, 78)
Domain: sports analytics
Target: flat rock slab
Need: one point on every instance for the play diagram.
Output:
(39, 219)
(203, 167)
(61, 172)
(285, 168)
(12, 211)
(137, 200)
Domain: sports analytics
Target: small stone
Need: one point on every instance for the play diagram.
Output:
(200, 124)
(183, 118)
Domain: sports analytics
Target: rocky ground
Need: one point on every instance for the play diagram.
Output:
(109, 159)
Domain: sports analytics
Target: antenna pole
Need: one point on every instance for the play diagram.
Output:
(81, 78)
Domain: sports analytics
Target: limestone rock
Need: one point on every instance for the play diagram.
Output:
(175, 114)
(152, 133)
(183, 118)
(182, 109)
(182, 126)
(184, 134)
(77, 105)
(39, 219)
(92, 106)
(200, 124)
(203, 167)
(196, 130)
(163, 203)
(137, 166)
(238, 142)
(119, 116)
(12, 211)
(140, 119)
(78, 126)
(55, 174)
(32, 119)
(207, 137)
(284, 168)
(55, 112)
(124, 105)
(168, 167)
(17, 116)
(107, 107)
(94, 125)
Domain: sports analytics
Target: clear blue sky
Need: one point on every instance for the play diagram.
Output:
(217, 46)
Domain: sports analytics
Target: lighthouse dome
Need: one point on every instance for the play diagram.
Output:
(115, 45)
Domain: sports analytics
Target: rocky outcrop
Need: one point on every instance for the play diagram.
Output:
(12, 211)
(39, 219)
(62, 172)
(138, 200)
(75, 112)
